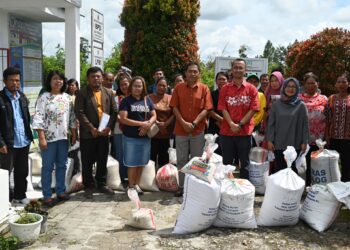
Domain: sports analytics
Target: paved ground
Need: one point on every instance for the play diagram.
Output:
(100, 224)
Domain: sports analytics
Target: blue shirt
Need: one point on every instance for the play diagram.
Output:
(136, 111)
(20, 138)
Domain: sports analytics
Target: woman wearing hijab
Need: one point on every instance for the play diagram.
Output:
(272, 93)
(288, 123)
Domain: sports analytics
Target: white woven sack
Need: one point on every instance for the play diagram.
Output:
(199, 207)
(258, 173)
(148, 178)
(113, 177)
(320, 208)
(325, 167)
(282, 199)
(236, 208)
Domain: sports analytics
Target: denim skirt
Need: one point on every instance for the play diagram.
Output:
(137, 151)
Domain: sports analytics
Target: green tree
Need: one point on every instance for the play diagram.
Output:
(327, 54)
(159, 33)
(208, 72)
(112, 63)
(276, 56)
(242, 51)
(55, 62)
(269, 51)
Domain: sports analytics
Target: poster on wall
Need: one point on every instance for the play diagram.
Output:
(26, 54)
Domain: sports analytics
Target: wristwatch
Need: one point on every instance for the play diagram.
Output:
(240, 124)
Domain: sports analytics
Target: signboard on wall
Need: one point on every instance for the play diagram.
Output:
(97, 38)
(258, 66)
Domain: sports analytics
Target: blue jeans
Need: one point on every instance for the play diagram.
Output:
(118, 155)
(55, 156)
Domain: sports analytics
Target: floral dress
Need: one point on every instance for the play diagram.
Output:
(316, 113)
(54, 114)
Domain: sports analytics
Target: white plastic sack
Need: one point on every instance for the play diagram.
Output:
(168, 178)
(236, 208)
(324, 165)
(282, 196)
(172, 156)
(142, 218)
(341, 191)
(36, 163)
(76, 183)
(224, 171)
(199, 207)
(258, 173)
(320, 208)
(258, 138)
(30, 187)
(113, 177)
(300, 162)
(148, 178)
(258, 154)
(69, 172)
(199, 168)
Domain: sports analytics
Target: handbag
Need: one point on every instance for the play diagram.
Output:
(154, 129)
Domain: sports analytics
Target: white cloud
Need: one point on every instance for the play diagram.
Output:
(227, 22)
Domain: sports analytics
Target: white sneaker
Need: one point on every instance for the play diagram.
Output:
(24, 201)
(138, 190)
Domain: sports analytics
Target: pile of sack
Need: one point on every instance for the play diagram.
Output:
(213, 199)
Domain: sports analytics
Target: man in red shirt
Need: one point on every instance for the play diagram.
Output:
(238, 102)
(191, 102)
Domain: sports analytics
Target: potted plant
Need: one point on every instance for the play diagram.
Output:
(26, 226)
(8, 243)
(36, 207)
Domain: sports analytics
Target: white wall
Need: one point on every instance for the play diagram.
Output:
(4, 193)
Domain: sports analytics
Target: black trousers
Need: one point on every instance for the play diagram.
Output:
(343, 148)
(94, 151)
(74, 155)
(16, 159)
(237, 147)
(308, 163)
(159, 148)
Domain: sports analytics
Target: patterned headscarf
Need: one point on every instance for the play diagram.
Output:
(292, 100)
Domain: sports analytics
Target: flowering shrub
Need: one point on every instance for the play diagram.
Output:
(326, 53)
(159, 33)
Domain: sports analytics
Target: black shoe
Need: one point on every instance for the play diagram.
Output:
(88, 193)
(106, 190)
(179, 192)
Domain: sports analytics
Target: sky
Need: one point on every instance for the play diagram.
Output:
(225, 25)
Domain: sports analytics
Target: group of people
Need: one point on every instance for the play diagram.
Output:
(121, 111)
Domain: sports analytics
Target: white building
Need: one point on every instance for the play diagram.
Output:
(21, 36)
(21, 46)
